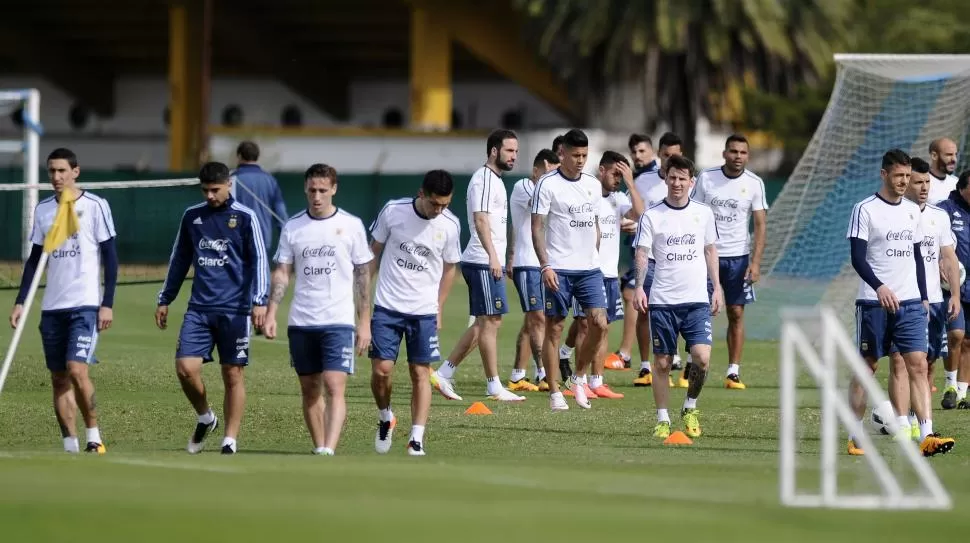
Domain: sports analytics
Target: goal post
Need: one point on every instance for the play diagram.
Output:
(28, 100)
(803, 329)
(878, 102)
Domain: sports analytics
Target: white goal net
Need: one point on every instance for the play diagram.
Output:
(878, 102)
(27, 102)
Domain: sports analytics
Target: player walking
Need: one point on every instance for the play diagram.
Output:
(957, 363)
(327, 249)
(222, 240)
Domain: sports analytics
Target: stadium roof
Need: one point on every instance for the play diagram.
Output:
(312, 46)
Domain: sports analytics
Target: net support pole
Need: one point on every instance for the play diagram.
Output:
(19, 331)
(31, 150)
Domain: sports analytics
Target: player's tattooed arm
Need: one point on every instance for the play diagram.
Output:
(640, 266)
(280, 281)
(539, 238)
(362, 278)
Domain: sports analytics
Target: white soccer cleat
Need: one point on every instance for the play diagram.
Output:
(579, 392)
(505, 395)
(557, 402)
(385, 431)
(415, 448)
(444, 385)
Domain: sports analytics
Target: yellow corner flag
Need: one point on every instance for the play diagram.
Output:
(65, 225)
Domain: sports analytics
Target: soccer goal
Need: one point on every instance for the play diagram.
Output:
(817, 361)
(878, 102)
(28, 102)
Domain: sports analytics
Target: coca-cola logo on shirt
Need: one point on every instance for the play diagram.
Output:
(683, 239)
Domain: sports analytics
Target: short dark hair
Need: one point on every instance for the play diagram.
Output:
(963, 180)
(894, 157)
(62, 153)
(612, 157)
(735, 138)
(679, 162)
(669, 139)
(321, 171)
(920, 165)
(545, 155)
(637, 139)
(496, 138)
(575, 138)
(248, 151)
(438, 182)
(557, 142)
(214, 173)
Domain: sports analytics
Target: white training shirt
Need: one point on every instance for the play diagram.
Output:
(940, 189)
(675, 238)
(323, 253)
(74, 268)
(520, 207)
(570, 207)
(890, 231)
(486, 193)
(935, 224)
(652, 188)
(612, 209)
(415, 249)
(732, 199)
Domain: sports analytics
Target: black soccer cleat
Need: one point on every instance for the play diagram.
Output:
(949, 400)
(95, 448)
(227, 449)
(201, 432)
(565, 369)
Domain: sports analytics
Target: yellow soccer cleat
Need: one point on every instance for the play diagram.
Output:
(543, 385)
(645, 379)
(662, 430)
(94, 447)
(692, 423)
(853, 450)
(733, 382)
(933, 445)
(522, 385)
(682, 382)
(914, 432)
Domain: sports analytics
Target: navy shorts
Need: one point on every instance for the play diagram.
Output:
(528, 282)
(586, 287)
(648, 279)
(69, 336)
(691, 321)
(878, 331)
(936, 338)
(486, 295)
(202, 333)
(737, 291)
(628, 280)
(614, 301)
(319, 349)
(959, 323)
(420, 334)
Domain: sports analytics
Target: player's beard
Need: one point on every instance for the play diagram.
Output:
(504, 166)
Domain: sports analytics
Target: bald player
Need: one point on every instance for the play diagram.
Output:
(943, 162)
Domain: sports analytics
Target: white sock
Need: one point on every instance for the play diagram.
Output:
(645, 365)
(961, 391)
(690, 403)
(595, 381)
(690, 359)
(517, 375)
(492, 385)
(624, 356)
(208, 417)
(566, 351)
(231, 442)
(386, 415)
(925, 429)
(902, 421)
(951, 378)
(323, 451)
(734, 369)
(662, 415)
(540, 373)
(447, 370)
(93, 435)
(71, 445)
(417, 433)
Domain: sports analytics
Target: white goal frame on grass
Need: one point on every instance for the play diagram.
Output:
(29, 145)
(837, 349)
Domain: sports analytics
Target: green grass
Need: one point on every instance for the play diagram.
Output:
(522, 474)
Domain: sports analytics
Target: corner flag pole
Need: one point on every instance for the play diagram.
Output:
(28, 303)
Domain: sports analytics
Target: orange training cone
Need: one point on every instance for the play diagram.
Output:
(478, 408)
(678, 438)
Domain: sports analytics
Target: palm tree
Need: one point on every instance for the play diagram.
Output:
(689, 51)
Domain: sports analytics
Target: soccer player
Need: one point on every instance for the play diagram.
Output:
(418, 241)
(641, 152)
(943, 161)
(481, 266)
(614, 208)
(891, 307)
(681, 235)
(736, 195)
(566, 236)
(223, 241)
(957, 364)
(73, 311)
(936, 248)
(327, 249)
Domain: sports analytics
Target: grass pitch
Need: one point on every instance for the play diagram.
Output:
(522, 474)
